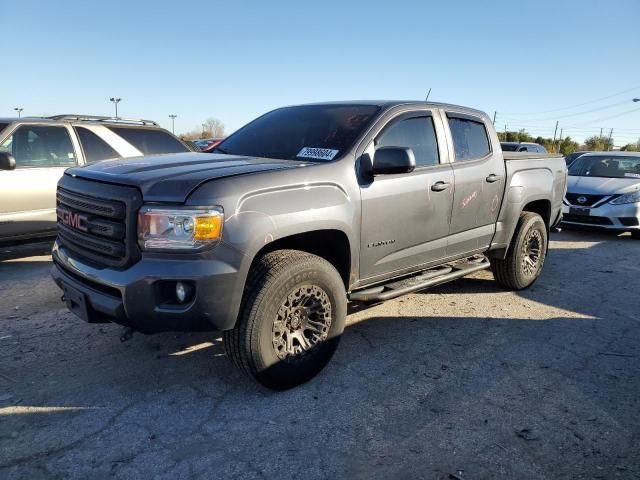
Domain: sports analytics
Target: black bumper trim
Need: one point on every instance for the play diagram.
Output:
(103, 308)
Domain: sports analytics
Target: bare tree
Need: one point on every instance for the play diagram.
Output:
(211, 128)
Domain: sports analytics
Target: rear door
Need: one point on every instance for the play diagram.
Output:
(405, 219)
(28, 193)
(479, 175)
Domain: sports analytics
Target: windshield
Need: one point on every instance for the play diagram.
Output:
(572, 156)
(606, 166)
(506, 147)
(310, 132)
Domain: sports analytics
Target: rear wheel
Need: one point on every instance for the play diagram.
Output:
(526, 254)
(291, 320)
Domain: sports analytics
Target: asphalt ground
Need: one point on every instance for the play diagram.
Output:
(463, 381)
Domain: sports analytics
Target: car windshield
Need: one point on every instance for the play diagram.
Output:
(572, 156)
(506, 147)
(606, 166)
(310, 132)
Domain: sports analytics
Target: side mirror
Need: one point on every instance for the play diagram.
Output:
(393, 160)
(7, 162)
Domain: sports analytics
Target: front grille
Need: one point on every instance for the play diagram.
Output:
(592, 220)
(591, 200)
(96, 221)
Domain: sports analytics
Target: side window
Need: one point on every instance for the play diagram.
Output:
(470, 140)
(40, 146)
(417, 133)
(94, 148)
(150, 141)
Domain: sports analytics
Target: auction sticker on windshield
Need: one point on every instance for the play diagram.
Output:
(319, 153)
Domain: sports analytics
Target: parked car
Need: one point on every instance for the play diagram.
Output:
(604, 191)
(34, 152)
(572, 157)
(522, 147)
(208, 144)
(297, 213)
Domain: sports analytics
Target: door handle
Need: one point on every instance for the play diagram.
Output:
(439, 186)
(493, 178)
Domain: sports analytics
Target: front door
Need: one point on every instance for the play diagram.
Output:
(28, 193)
(405, 217)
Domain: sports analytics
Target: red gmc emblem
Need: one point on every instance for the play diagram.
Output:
(73, 219)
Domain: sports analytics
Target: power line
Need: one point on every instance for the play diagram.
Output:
(576, 113)
(582, 104)
(617, 115)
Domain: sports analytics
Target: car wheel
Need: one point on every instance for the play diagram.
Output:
(636, 234)
(526, 254)
(291, 319)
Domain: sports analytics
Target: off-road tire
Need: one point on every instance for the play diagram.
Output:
(251, 344)
(512, 272)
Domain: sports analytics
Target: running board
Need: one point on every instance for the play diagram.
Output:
(426, 279)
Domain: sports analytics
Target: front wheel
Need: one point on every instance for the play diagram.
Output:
(291, 319)
(526, 254)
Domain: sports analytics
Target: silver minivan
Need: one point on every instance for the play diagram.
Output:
(34, 153)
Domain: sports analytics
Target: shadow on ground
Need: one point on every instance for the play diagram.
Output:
(463, 381)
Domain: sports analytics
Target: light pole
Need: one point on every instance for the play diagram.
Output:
(173, 122)
(19, 110)
(115, 101)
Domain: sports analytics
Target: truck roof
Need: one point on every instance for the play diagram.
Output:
(385, 104)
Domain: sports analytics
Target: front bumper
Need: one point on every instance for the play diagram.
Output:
(131, 297)
(624, 218)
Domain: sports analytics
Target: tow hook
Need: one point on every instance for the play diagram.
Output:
(127, 333)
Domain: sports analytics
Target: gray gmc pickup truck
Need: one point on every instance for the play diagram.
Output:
(299, 212)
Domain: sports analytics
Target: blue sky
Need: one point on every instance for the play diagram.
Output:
(235, 60)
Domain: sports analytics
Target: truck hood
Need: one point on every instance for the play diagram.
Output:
(602, 185)
(172, 177)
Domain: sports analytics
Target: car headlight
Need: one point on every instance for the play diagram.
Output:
(632, 197)
(188, 228)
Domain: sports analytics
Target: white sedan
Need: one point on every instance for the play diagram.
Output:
(604, 191)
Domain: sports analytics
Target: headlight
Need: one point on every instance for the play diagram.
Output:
(189, 228)
(632, 197)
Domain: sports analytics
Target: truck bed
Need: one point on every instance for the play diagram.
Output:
(528, 155)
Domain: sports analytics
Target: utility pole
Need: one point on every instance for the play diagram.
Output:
(560, 140)
(115, 101)
(173, 122)
(428, 93)
(600, 133)
(609, 142)
(505, 132)
(494, 117)
(19, 110)
(204, 125)
(554, 135)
